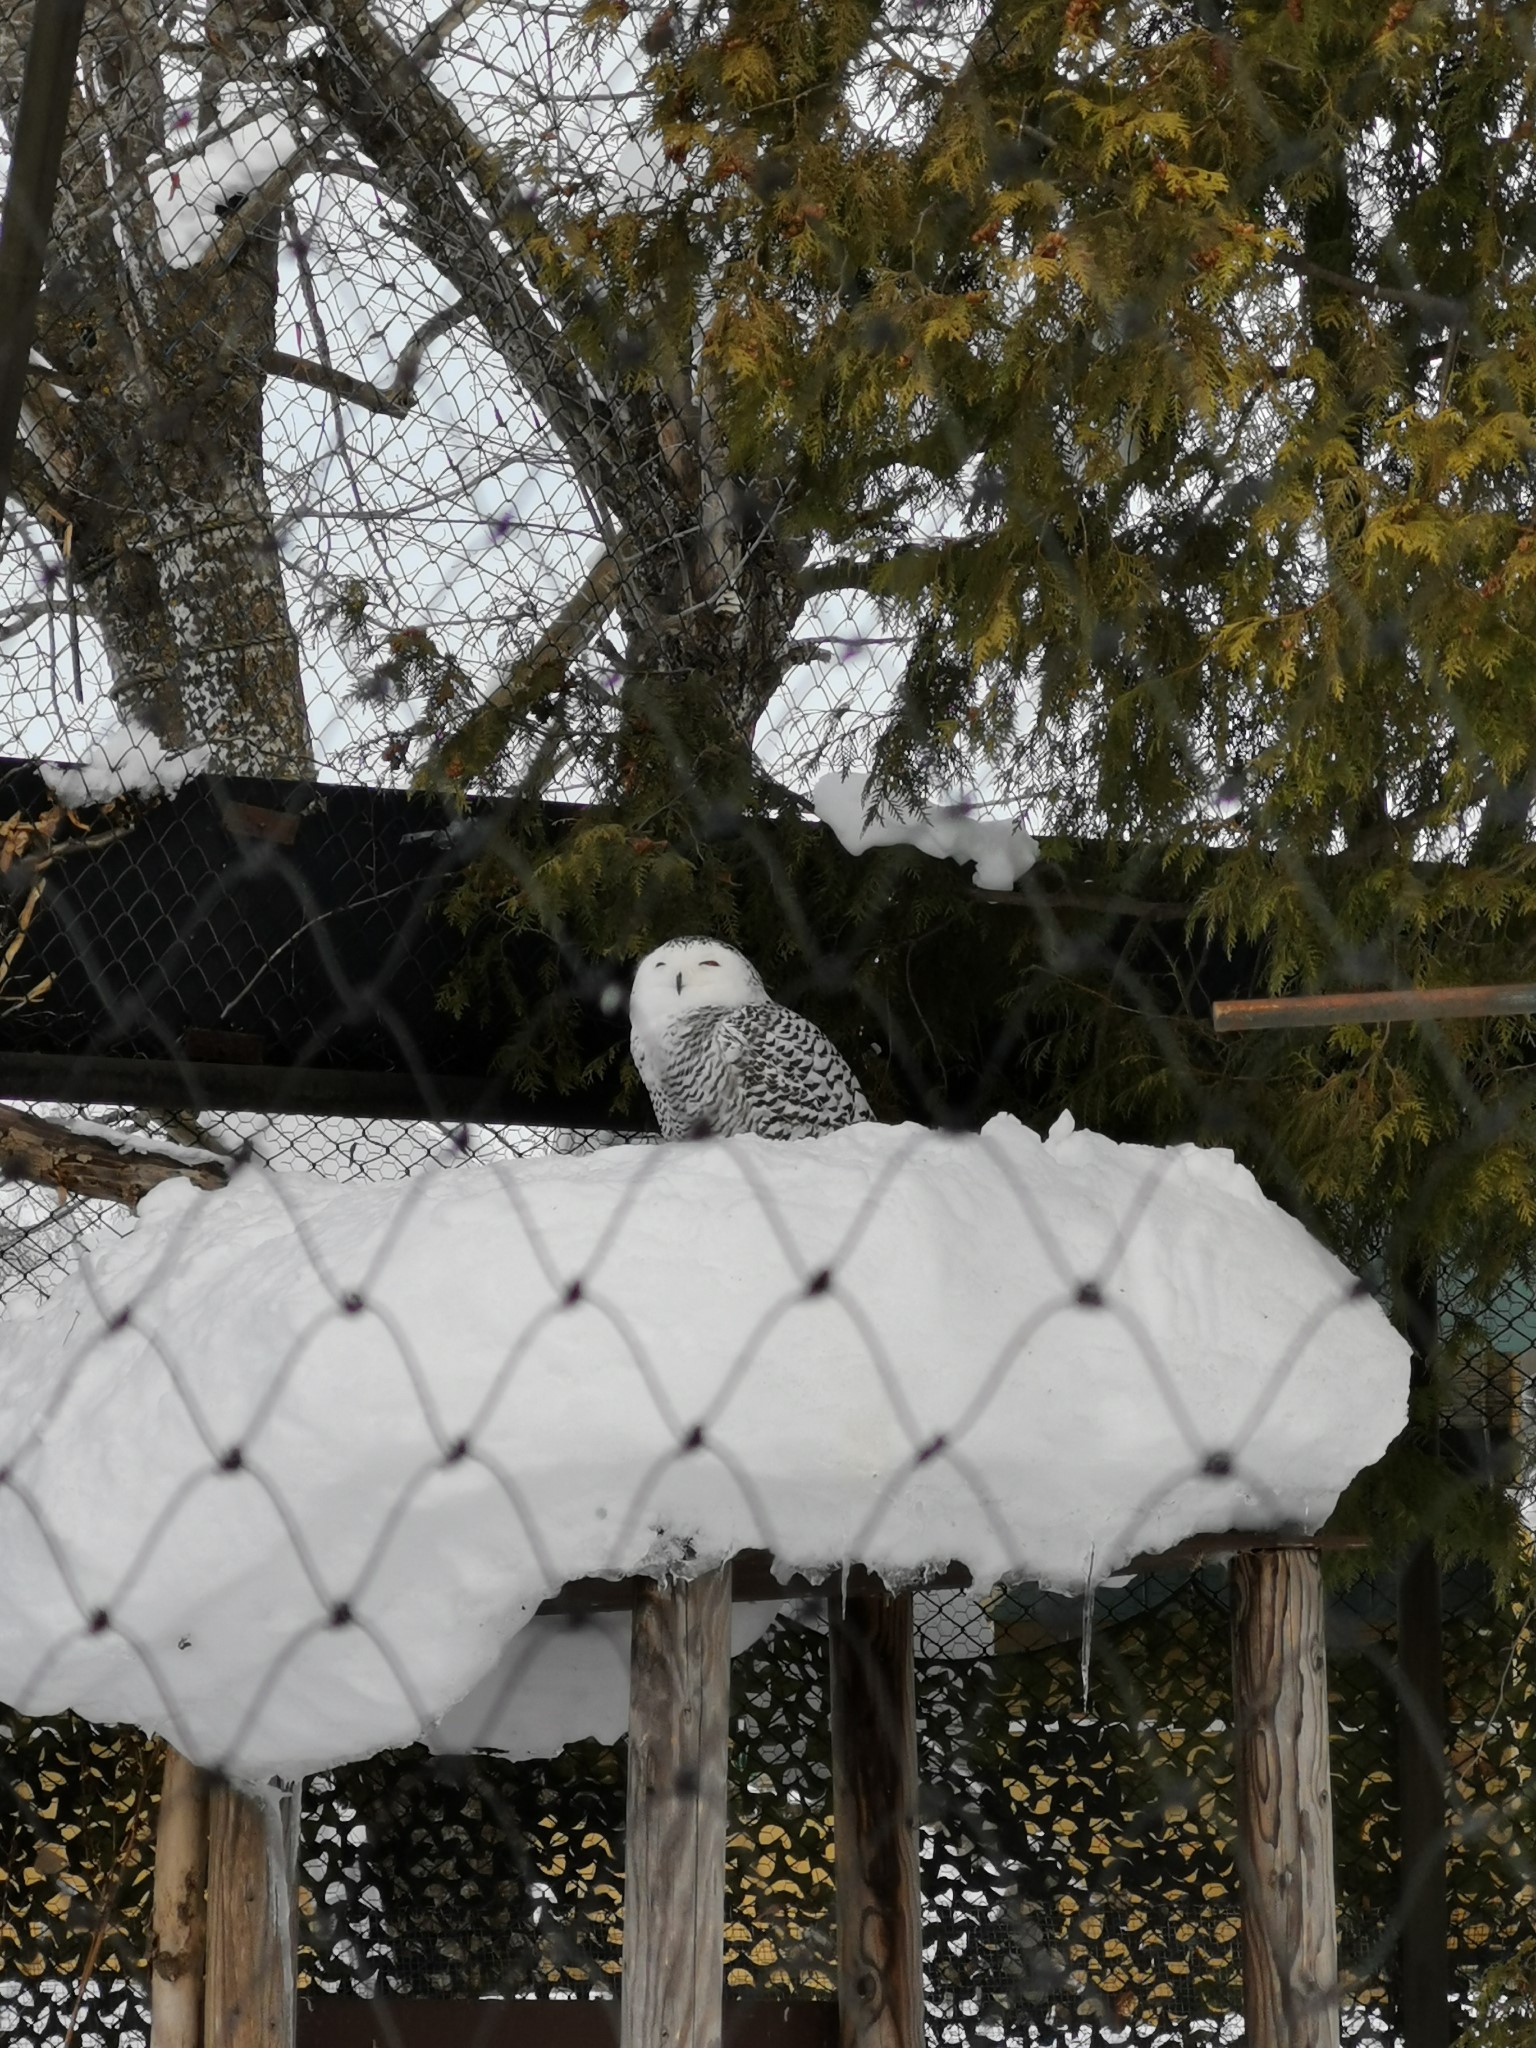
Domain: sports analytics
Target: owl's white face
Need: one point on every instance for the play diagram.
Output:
(690, 974)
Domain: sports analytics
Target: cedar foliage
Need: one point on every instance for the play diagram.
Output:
(1167, 371)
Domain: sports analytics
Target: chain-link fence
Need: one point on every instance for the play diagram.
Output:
(1016, 525)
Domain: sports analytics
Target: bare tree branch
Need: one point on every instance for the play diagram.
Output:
(408, 367)
(1452, 311)
(428, 45)
(278, 363)
(430, 160)
(542, 670)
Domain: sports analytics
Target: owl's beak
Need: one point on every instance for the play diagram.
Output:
(679, 984)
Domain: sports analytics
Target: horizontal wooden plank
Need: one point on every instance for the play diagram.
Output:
(541, 2023)
(755, 1577)
(1374, 1006)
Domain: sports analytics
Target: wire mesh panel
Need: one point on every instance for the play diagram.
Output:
(662, 667)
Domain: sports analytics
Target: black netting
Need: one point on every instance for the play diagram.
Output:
(1014, 524)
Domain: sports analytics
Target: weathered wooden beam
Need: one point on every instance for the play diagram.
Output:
(249, 1995)
(1424, 1964)
(1284, 1806)
(107, 1167)
(1375, 1006)
(330, 2021)
(675, 1819)
(755, 1578)
(179, 1936)
(874, 1806)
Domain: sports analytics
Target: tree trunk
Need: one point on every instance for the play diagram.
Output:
(249, 2000)
(874, 1802)
(149, 475)
(1284, 1808)
(674, 1864)
(180, 1934)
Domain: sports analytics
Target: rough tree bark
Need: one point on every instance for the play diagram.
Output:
(706, 592)
(140, 451)
(180, 1938)
(874, 1800)
(1284, 1805)
(97, 1166)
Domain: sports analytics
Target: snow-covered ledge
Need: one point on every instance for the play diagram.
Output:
(290, 1465)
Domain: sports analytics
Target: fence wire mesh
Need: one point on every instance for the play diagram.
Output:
(498, 489)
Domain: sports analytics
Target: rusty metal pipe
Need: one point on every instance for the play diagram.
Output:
(1374, 1006)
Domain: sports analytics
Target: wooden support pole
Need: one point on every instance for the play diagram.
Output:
(249, 1998)
(1284, 1807)
(874, 1805)
(675, 1819)
(1424, 1964)
(179, 1935)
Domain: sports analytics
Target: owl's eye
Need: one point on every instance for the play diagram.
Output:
(709, 963)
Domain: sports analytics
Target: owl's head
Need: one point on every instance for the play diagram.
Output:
(690, 974)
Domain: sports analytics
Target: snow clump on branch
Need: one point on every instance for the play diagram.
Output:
(1002, 851)
(196, 193)
(125, 760)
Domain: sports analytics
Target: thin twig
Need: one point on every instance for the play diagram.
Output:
(358, 903)
(1453, 311)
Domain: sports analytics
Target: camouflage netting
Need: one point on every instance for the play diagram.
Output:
(1076, 1857)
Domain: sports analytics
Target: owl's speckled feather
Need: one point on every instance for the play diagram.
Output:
(718, 1056)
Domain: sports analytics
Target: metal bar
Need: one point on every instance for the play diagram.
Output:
(36, 149)
(1375, 1006)
(296, 1091)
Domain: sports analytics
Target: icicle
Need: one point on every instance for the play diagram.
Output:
(1087, 1643)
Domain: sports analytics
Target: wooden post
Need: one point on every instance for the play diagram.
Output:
(874, 1806)
(1424, 1965)
(249, 1998)
(1284, 1809)
(179, 1936)
(675, 1820)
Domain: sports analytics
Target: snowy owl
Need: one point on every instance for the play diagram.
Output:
(717, 1054)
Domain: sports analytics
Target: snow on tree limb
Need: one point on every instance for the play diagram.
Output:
(101, 1164)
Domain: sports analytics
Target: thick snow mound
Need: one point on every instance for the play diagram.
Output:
(287, 1468)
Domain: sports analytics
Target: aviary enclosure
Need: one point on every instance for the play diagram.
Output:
(1018, 520)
